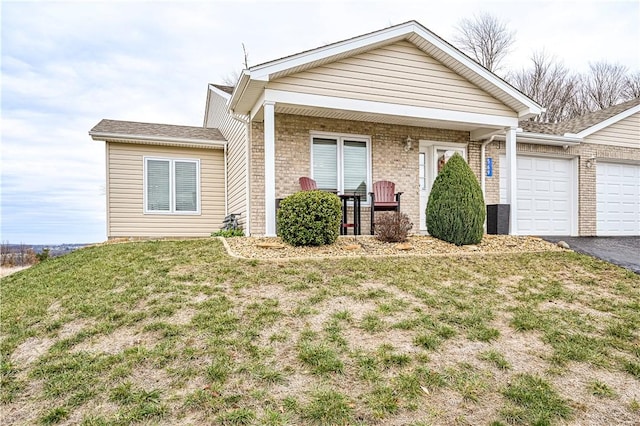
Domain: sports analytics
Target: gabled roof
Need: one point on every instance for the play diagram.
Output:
(254, 79)
(585, 124)
(132, 131)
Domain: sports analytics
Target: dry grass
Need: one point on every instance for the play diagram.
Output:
(178, 332)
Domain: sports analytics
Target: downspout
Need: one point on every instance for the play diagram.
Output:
(226, 183)
(107, 194)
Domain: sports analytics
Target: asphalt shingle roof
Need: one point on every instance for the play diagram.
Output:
(133, 128)
(226, 89)
(578, 124)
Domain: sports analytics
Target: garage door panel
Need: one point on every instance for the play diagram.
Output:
(562, 187)
(628, 190)
(617, 199)
(541, 206)
(540, 165)
(544, 194)
(543, 186)
(560, 207)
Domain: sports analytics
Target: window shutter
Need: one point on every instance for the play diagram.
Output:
(158, 186)
(186, 186)
(355, 167)
(325, 163)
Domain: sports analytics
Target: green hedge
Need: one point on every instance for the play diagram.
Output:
(456, 209)
(310, 218)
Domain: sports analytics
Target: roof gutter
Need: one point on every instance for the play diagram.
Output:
(102, 136)
(544, 139)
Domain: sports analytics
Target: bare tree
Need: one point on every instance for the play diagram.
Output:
(231, 79)
(604, 85)
(550, 84)
(632, 86)
(484, 38)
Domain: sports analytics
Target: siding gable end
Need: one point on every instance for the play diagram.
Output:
(399, 73)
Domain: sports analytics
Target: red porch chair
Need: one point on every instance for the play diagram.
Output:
(384, 198)
(307, 184)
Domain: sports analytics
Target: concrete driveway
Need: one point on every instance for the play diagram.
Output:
(621, 251)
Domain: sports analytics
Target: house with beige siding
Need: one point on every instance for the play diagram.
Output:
(387, 105)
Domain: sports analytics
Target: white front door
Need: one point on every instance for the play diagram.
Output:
(432, 156)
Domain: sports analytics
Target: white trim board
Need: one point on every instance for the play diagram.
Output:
(370, 107)
(604, 124)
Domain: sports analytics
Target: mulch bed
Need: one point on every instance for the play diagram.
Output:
(349, 246)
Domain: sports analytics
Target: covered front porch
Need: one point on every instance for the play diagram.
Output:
(347, 155)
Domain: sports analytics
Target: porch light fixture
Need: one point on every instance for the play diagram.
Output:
(408, 144)
(589, 162)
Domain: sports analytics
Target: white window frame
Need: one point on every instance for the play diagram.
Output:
(172, 187)
(431, 158)
(340, 139)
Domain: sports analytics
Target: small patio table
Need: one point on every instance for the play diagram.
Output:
(355, 198)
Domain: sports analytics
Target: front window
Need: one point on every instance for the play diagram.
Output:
(341, 163)
(172, 186)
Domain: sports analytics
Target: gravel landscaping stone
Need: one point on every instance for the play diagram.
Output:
(348, 246)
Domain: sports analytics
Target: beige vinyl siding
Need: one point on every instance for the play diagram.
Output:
(125, 174)
(235, 132)
(399, 73)
(625, 132)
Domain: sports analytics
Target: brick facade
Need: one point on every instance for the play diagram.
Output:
(388, 158)
(391, 162)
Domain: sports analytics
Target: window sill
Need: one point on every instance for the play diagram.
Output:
(154, 213)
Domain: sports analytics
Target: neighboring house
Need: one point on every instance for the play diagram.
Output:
(343, 114)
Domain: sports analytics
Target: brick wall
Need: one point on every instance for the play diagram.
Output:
(389, 160)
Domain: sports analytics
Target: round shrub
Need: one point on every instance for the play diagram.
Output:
(456, 210)
(310, 218)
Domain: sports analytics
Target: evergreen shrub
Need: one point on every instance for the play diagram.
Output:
(456, 209)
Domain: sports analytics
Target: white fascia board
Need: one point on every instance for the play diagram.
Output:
(606, 123)
(544, 139)
(263, 71)
(356, 105)
(219, 92)
(238, 91)
(102, 136)
(206, 107)
(532, 107)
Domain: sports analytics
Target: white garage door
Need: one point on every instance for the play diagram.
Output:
(545, 195)
(618, 199)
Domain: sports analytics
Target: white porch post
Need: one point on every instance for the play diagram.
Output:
(269, 169)
(512, 179)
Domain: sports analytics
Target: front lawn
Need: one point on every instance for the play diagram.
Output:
(177, 332)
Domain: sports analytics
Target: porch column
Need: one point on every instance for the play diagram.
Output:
(512, 180)
(269, 169)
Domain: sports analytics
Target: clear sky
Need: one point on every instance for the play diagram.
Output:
(67, 65)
